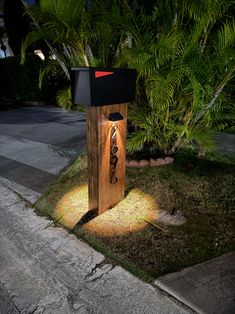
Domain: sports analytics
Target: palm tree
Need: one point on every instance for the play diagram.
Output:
(60, 23)
(183, 53)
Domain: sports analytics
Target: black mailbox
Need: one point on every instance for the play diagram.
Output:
(102, 86)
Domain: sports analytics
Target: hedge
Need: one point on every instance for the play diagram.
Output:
(19, 83)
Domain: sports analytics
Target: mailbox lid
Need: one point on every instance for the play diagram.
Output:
(102, 86)
(80, 86)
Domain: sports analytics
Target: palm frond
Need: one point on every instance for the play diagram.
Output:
(64, 98)
(50, 66)
(68, 12)
(226, 35)
(204, 139)
(138, 139)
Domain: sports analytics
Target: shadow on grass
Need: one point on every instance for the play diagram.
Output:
(88, 216)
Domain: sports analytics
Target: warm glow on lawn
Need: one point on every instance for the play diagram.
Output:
(127, 216)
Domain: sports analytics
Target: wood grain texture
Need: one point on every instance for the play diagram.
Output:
(102, 193)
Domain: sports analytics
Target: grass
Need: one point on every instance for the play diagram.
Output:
(202, 189)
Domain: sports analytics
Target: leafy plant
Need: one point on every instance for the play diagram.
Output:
(182, 50)
(184, 57)
(63, 98)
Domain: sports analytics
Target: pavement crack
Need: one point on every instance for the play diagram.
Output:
(34, 310)
(93, 270)
(98, 271)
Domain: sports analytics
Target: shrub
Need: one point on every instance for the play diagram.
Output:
(183, 55)
(19, 83)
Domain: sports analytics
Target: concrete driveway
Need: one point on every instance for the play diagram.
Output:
(36, 143)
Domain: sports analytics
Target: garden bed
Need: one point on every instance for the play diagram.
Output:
(140, 233)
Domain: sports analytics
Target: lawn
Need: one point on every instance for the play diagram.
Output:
(130, 234)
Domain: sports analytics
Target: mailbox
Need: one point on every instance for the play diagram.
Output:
(106, 93)
(101, 86)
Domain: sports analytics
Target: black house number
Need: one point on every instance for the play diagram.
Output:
(113, 154)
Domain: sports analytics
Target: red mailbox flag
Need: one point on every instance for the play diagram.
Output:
(102, 73)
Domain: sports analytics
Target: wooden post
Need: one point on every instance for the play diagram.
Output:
(103, 193)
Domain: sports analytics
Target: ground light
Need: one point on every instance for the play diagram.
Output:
(130, 215)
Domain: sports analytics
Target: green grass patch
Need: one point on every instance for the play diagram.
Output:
(202, 189)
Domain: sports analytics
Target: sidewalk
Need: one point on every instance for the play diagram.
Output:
(208, 287)
(47, 270)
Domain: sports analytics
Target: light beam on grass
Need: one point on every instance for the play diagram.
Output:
(125, 217)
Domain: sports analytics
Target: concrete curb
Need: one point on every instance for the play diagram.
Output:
(204, 287)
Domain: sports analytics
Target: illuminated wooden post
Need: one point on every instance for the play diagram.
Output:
(104, 190)
(106, 92)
